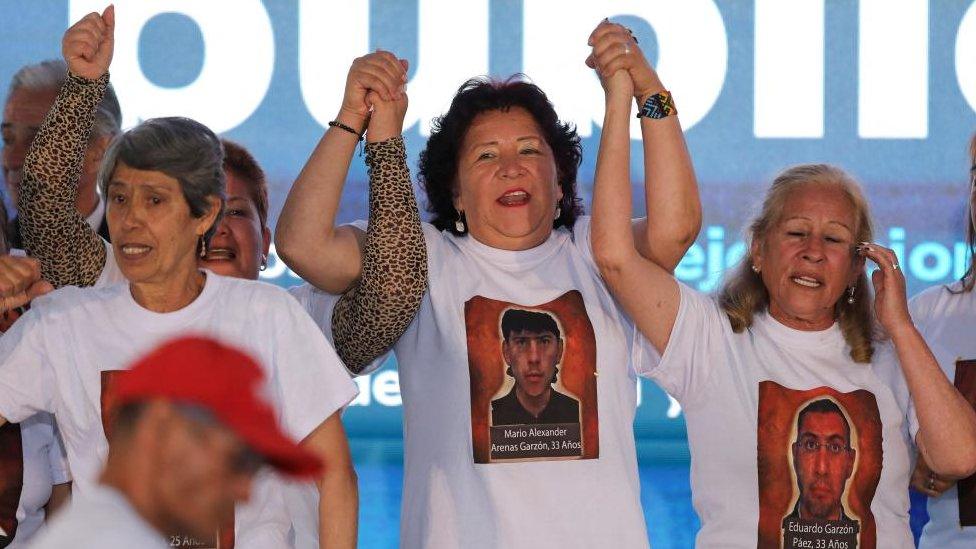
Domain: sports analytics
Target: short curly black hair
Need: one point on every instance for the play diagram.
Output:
(438, 165)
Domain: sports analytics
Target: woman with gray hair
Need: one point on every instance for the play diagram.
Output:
(792, 326)
(164, 185)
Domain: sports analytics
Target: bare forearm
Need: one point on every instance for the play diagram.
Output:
(611, 235)
(670, 193)
(947, 423)
(306, 237)
(70, 251)
(338, 509)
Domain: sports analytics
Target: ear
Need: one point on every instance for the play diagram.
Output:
(857, 267)
(208, 218)
(266, 240)
(457, 200)
(849, 466)
(755, 253)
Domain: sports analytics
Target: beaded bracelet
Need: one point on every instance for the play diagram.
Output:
(341, 126)
(659, 105)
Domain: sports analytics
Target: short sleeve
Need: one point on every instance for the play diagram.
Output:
(309, 378)
(58, 460)
(27, 381)
(694, 349)
(581, 238)
(319, 306)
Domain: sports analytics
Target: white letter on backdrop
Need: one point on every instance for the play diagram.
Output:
(692, 58)
(893, 67)
(789, 69)
(237, 65)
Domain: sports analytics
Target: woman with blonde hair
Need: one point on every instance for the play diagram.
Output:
(773, 465)
(946, 316)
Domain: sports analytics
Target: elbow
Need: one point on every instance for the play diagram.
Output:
(680, 235)
(338, 475)
(611, 263)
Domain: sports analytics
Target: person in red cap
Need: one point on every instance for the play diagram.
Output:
(188, 431)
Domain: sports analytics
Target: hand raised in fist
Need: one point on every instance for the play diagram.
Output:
(20, 282)
(87, 45)
(381, 73)
(615, 49)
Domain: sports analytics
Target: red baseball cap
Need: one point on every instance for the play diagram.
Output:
(223, 380)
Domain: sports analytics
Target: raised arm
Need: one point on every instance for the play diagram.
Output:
(645, 289)
(947, 423)
(306, 237)
(70, 251)
(382, 273)
(670, 189)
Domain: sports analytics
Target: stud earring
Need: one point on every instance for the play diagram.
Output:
(850, 295)
(755, 269)
(459, 225)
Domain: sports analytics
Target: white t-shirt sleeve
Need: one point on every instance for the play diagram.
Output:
(26, 378)
(60, 473)
(695, 344)
(319, 306)
(581, 237)
(311, 381)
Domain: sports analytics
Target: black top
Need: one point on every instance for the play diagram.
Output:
(507, 410)
(15, 240)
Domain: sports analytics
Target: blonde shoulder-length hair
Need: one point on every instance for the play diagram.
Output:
(743, 293)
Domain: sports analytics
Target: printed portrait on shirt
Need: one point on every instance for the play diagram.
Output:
(222, 538)
(965, 381)
(819, 462)
(11, 480)
(533, 380)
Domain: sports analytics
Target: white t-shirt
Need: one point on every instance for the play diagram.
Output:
(473, 479)
(742, 395)
(31, 461)
(100, 518)
(57, 357)
(948, 320)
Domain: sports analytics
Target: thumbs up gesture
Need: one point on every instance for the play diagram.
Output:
(87, 45)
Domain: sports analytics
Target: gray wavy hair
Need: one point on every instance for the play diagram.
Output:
(743, 293)
(50, 76)
(181, 148)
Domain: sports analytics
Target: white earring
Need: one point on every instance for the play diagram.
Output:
(559, 211)
(459, 225)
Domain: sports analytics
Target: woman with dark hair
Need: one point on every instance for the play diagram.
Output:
(164, 184)
(794, 324)
(946, 316)
(507, 233)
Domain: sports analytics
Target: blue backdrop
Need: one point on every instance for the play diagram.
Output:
(884, 88)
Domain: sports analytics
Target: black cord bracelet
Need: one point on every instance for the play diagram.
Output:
(341, 126)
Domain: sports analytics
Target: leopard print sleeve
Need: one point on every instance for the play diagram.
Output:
(70, 251)
(370, 317)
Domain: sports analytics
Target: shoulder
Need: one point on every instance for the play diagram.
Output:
(68, 299)
(928, 301)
